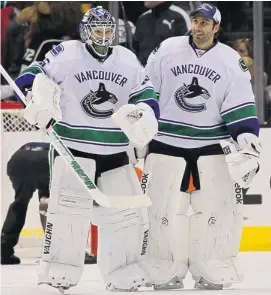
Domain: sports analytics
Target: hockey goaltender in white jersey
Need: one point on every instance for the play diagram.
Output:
(81, 85)
(203, 96)
(206, 107)
(91, 92)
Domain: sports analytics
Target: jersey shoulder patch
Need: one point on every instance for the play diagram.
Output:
(234, 60)
(66, 50)
(242, 65)
(57, 50)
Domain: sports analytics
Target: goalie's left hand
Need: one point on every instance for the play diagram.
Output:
(138, 122)
(243, 158)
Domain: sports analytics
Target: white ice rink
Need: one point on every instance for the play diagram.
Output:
(21, 280)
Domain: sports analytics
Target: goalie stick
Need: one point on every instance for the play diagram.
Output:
(121, 202)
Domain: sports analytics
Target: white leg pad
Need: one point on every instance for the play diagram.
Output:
(215, 229)
(167, 254)
(122, 233)
(68, 220)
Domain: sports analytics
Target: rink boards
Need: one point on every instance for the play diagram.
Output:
(257, 209)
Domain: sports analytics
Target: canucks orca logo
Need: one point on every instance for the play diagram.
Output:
(243, 65)
(98, 97)
(183, 94)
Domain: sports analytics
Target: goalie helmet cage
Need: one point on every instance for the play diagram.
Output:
(16, 131)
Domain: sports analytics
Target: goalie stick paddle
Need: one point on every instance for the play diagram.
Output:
(121, 202)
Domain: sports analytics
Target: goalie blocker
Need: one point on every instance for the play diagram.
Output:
(205, 243)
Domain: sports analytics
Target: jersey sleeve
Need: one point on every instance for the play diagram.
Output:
(153, 69)
(143, 90)
(55, 65)
(238, 109)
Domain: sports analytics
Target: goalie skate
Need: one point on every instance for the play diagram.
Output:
(175, 283)
(205, 285)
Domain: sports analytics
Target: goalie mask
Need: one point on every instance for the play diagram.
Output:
(97, 29)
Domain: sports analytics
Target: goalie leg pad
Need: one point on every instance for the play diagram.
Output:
(167, 252)
(68, 220)
(122, 233)
(215, 229)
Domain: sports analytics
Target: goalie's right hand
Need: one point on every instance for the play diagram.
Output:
(43, 109)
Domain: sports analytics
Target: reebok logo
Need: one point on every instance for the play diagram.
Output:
(238, 194)
(144, 181)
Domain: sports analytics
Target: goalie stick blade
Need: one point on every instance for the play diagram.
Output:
(120, 202)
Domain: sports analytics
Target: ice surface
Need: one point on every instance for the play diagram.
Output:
(22, 280)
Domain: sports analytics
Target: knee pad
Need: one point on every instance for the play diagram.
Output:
(68, 221)
(122, 234)
(216, 227)
(167, 252)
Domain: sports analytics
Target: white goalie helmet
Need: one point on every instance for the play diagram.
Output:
(97, 29)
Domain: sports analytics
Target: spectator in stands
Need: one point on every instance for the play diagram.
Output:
(161, 21)
(245, 48)
(48, 24)
(28, 170)
(12, 34)
(6, 20)
(12, 41)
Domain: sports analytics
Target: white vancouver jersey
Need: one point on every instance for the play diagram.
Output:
(91, 92)
(202, 98)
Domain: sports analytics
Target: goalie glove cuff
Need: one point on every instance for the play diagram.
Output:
(250, 143)
(243, 159)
